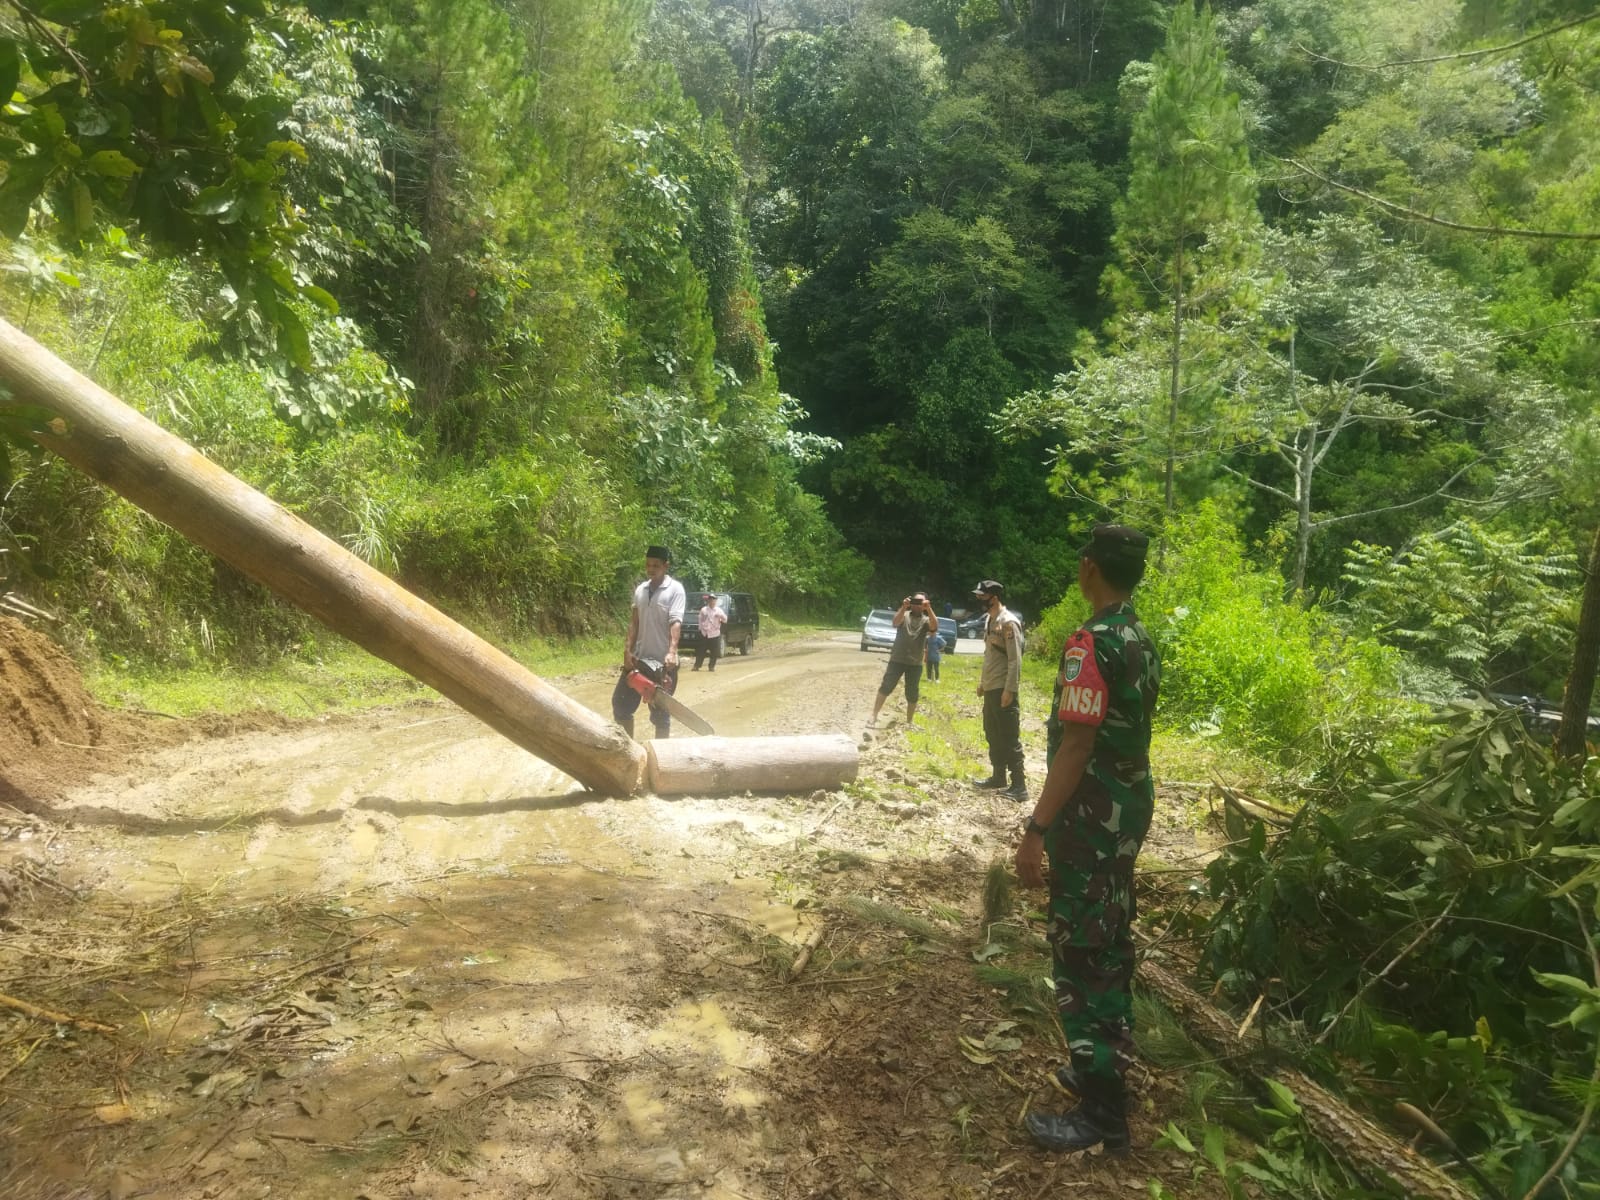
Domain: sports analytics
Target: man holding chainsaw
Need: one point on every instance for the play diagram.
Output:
(651, 649)
(1090, 820)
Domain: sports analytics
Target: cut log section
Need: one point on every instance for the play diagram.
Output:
(1370, 1150)
(718, 765)
(175, 483)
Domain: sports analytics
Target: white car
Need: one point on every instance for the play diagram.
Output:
(877, 629)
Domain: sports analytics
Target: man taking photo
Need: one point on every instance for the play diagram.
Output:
(913, 621)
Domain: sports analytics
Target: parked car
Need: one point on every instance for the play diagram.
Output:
(739, 633)
(1537, 712)
(977, 626)
(877, 629)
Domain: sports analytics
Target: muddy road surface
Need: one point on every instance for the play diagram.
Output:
(393, 955)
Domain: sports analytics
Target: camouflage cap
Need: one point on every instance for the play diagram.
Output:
(990, 587)
(1115, 544)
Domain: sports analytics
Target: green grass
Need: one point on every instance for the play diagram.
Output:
(335, 676)
(1180, 755)
(949, 744)
(338, 675)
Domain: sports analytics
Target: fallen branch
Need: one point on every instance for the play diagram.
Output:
(807, 948)
(1393, 963)
(1413, 1114)
(1255, 810)
(1369, 1149)
(826, 817)
(24, 1056)
(45, 1014)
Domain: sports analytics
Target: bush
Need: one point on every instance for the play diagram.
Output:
(1241, 659)
(1429, 921)
(536, 542)
(1237, 658)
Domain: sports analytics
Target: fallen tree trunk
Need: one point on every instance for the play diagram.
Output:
(1366, 1147)
(718, 765)
(175, 483)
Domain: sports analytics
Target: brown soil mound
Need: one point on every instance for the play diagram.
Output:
(47, 717)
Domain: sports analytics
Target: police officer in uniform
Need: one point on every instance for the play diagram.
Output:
(998, 684)
(1090, 819)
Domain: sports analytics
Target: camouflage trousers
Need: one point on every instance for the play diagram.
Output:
(1091, 927)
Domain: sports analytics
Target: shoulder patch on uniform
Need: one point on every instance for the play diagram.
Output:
(1072, 663)
(1081, 690)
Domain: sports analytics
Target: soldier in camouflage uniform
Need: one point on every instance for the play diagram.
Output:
(1090, 819)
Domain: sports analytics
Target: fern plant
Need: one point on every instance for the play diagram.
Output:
(1486, 606)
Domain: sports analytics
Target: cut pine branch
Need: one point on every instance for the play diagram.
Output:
(1253, 809)
(1370, 1150)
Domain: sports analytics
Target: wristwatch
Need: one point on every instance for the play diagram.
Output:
(1034, 827)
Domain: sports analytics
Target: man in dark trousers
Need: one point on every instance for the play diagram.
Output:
(1091, 819)
(998, 683)
(914, 623)
(654, 624)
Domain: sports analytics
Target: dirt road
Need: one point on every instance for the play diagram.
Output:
(393, 955)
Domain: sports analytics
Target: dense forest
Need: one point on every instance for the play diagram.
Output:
(841, 297)
(834, 297)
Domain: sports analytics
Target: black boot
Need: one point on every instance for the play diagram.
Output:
(1069, 1078)
(1018, 790)
(1102, 1118)
(997, 779)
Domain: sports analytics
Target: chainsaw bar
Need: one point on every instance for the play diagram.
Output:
(682, 711)
(658, 697)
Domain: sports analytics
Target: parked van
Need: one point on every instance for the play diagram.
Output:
(739, 633)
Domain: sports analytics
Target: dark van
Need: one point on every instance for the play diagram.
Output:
(739, 633)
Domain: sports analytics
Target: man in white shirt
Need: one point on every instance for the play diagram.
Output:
(712, 619)
(654, 624)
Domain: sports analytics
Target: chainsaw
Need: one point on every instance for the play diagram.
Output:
(657, 696)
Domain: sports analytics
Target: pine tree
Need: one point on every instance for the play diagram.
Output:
(1188, 227)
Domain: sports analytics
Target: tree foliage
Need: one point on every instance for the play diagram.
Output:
(1490, 607)
(1477, 854)
(1016, 260)
(486, 263)
(142, 112)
